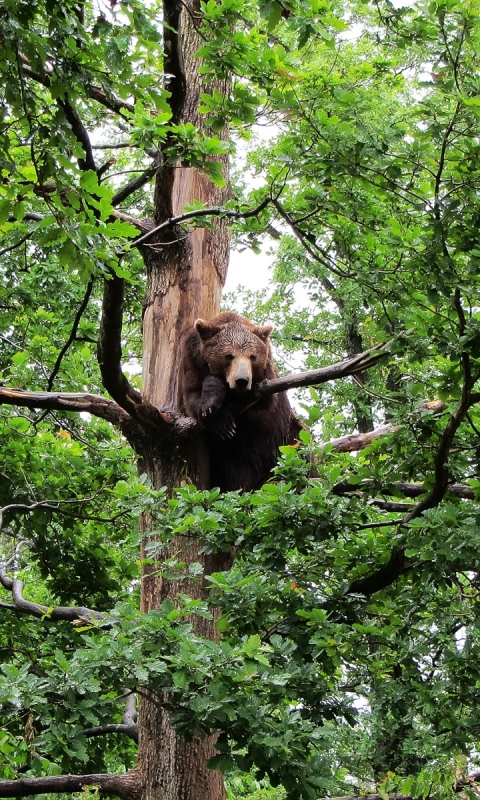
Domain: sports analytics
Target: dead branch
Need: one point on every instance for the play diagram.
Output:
(357, 441)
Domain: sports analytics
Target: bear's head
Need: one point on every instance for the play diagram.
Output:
(236, 352)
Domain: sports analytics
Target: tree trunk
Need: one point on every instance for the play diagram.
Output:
(184, 282)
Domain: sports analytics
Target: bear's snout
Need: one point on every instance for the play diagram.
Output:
(239, 376)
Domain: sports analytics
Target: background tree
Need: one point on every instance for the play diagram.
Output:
(360, 583)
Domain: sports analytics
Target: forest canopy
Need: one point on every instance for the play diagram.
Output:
(336, 653)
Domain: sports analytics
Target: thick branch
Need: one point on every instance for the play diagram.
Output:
(115, 382)
(80, 133)
(109, 350)
(127, 730)
(126, 785)
(167, 422)
(315, 376)
(137, 183)
(22, 606)
(67, 401)
(357, 441)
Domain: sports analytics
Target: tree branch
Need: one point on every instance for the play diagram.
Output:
(127, 730)
(109, 349)
(72, 336)
(112, 102)
(357, 441)
(136, 183)
(80, 132)
(69, 613)
(126, 785)
(317, 253)
(404, 487)
(314, 377)
(202, 212)
(398, 563)
(458, 786)
(67, 401)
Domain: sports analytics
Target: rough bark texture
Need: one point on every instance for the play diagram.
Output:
(184, 281)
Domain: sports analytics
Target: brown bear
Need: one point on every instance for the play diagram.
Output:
(224, 359)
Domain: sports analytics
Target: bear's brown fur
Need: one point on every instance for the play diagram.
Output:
(224, 359)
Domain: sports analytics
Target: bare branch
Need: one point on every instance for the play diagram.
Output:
(357, 441)
(69, 613)
(126, 785)
(109, 351)
(66, 401)
(164, 422)
(127, 730)
(341, 369)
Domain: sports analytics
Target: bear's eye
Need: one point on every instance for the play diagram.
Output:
(253, 358)
(229, 357)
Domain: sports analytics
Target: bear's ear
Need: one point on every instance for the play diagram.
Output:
(205, 329)
(263, 333)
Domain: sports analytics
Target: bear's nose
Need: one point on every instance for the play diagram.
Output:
(241, 384)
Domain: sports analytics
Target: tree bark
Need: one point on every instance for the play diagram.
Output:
(185, 276)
